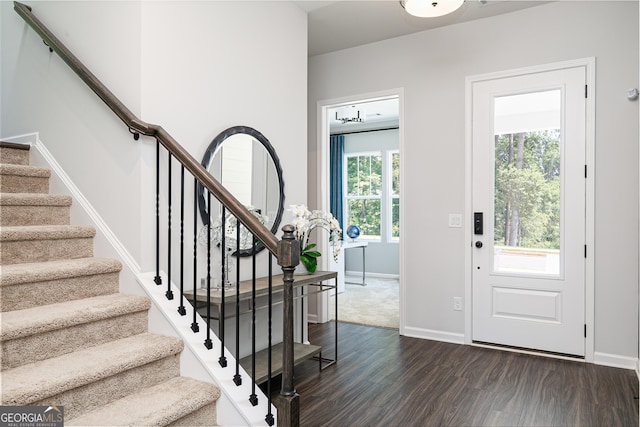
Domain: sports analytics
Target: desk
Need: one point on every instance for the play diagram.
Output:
(302, 351)
(357, 244)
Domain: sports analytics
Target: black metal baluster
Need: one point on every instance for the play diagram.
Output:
(181, 308)
(269, 418)
(223, 359)
(194, 325)
(254, 397)
(169, 293)
(157, 279)
(237, 378)
(207, 342)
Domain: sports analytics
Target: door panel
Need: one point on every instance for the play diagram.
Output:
(528, 181)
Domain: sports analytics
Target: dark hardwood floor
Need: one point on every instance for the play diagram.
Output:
(383, 379)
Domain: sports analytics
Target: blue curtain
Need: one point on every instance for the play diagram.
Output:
(335, 170)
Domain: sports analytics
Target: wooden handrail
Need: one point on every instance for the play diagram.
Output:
(138, 126)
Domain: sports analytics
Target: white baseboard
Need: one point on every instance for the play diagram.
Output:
(430, 334)
(369, 274)
(615, 361)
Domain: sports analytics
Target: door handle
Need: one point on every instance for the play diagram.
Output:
(478, 244)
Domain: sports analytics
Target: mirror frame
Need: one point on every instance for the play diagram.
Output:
(206, 163)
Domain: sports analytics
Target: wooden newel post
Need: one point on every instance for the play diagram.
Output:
(288, 259)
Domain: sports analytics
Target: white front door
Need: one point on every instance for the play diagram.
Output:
(528, 280)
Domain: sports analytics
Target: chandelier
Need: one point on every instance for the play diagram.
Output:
(351, 114)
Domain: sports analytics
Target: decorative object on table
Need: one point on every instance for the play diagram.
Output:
(353, 231)
(230, 234)
(305, 221)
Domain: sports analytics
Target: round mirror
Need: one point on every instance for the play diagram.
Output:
(245, 163)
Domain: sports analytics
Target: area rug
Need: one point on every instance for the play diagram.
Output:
(376, 304)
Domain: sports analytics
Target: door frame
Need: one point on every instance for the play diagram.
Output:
(323, 176)
(589, 65)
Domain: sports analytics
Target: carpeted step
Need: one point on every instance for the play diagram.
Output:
(39, 333)
(34, 284)
(178, 401)
(24, 179)
(17, 154)
(34, 209)
(21, 244)
(88, 379)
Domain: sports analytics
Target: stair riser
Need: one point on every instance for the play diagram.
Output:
(38, 347)
(23, 184)
(23, 251)
(27, 295)
(93, 395)
(13, 156)
(205, 416)
(34, 215)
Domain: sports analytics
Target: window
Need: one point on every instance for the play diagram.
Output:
(364, 192)
(373, 194)
(394, 194)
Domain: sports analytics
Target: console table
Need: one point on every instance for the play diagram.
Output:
(301, 281)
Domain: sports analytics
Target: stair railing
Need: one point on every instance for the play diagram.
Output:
(286, 250)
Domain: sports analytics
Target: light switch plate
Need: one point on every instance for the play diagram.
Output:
(455, 220)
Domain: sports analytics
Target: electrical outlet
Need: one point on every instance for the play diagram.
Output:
(457, 303)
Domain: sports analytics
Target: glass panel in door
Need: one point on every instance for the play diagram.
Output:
(527, 187)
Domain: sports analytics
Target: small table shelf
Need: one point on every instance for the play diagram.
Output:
(301, 352)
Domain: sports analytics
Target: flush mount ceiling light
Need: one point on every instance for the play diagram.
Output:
(351, 114)
(430, 8)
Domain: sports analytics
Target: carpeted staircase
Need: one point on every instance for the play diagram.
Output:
(68, 337)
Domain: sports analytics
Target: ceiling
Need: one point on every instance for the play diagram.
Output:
(337, 25)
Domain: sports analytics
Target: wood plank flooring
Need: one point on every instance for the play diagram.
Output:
(383, 379)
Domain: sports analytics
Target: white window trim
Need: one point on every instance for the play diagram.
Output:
(390, 197)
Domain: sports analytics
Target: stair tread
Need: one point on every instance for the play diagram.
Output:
(45, 232)
(158, 405)
(24, 170)
(38, 320)
(14, 274)
(36, 381)
(34, 199)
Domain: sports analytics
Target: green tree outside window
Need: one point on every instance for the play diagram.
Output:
(527, 189)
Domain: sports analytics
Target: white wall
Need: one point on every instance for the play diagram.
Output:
(211, 65)
(431, 67)
(195, 68)
(40, 94)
